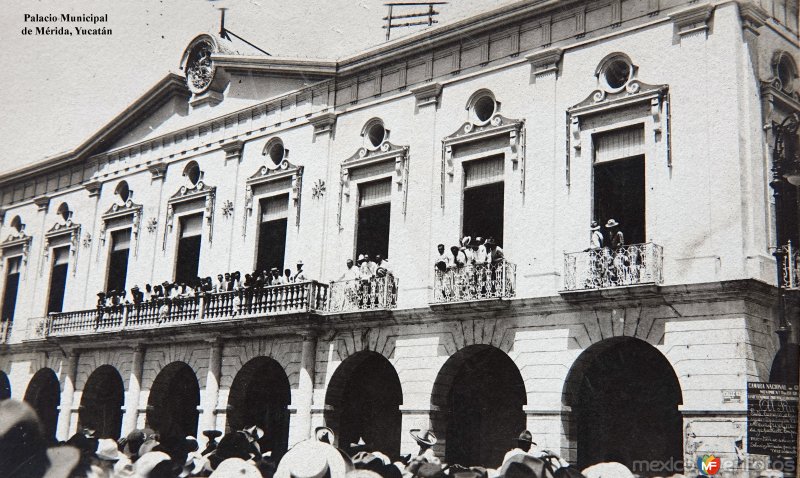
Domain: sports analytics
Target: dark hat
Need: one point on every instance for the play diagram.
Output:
(490, 242)
(423, 437)
(232, 445)
(361, 445)
(429, 470)
(324, 434)
(526, 437)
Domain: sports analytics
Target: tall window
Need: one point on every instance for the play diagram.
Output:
(483, 198)
(374, 213)
(118, 260)
(619, 181)
(13, 266)
(58, 279)
(272, 232)
(189, 249)
(790, 214)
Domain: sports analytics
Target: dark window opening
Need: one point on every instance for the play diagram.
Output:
(58, 279)
(118, 260)
(483, 199)
(617, 73)
(374, 214)
(789, 211)
(12, 286)
(272, 233)
(484, 108)
(376, 134)
(619, 194)
(188, 260)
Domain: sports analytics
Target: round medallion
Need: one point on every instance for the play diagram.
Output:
(199, 71)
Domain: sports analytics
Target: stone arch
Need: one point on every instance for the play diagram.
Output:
(285, 352)
(44, 395)
(5, 386)
(156, 359)
(363, 400)
(638, 392)
(477, 402)
(260, 395)
(101, 402)
(173, 401)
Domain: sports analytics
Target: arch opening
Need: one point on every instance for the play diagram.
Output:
(44, 395)
(365, 395)
(173, 401)
(624, 396)
(480, 393)
(5, 386)
(260, 395)
(101, 403)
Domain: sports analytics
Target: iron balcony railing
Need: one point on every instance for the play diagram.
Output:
(475, 282)
(363, 294)
(210, 307)
(791, 267)
(634, 264)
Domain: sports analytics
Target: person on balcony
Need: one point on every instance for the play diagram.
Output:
(479, 250)
(442, 260)
(381, 263)
(616, 240)
(275, 277)
(300, 275)
(494, 253)
(220, 286)
(615, 237)
(366, 266)
(595, 237)
(351, 272)
(466, 248)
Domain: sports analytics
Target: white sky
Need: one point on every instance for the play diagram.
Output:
(59, 90)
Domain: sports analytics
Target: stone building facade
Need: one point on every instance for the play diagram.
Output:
(524, 123)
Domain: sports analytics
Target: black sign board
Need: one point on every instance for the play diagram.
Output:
(772, 420)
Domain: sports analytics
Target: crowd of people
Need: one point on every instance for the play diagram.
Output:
(364, 284)
(25, 452)
(227, 282)
(472, 270)
(471, 253)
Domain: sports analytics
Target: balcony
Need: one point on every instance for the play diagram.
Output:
(791, 267)
(634, 264)
(217, 307)
(363, 294)
(475, 282)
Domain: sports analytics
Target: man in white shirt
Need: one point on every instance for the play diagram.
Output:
(381, 263)
(366, 266)
(481, 256)
(351, 272)
(299, 276)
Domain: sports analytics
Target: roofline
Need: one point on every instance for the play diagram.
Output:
(279, 66)
(171, 85)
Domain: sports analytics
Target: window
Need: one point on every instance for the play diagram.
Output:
(785, 70)
(118, 260)
(275, 151)
(484, 108)
(58, 279)
(374, 213)
(188, 259)
(123, 191)
(192, 173)
(272, 232)
(483, 198)
(64, 212)
(615, 71)
(376, 133)
(17, 225)
(619, 182)
(13, 267)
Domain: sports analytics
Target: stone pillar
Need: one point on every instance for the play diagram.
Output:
(300, 428)
(67, 393)
(130, 418)
(211, 395)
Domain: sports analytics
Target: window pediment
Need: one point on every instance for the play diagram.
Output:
(286, 172)
(201, 195)
(61, 234)
(117, 212)
(14, 243)
(385, 155)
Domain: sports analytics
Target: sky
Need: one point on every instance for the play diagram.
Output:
(59, 90)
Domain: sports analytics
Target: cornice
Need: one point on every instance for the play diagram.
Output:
(277, 66)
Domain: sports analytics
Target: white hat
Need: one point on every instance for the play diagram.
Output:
(107, 450)
(312, 459)
(148, 461)
(236, 467)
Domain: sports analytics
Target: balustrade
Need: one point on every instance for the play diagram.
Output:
(634, 264)
(475, 282)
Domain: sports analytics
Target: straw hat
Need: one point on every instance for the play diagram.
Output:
(423, 437)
